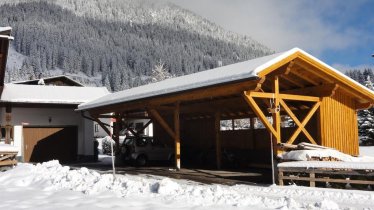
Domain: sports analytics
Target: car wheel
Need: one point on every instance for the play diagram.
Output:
(141, 160)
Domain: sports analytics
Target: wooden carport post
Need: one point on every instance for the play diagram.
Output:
(175, 134)
(217, 127)
(276, 116)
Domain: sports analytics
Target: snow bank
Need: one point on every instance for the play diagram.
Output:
(46, 186)
(8, 148)
(329, 164)
(306, 155)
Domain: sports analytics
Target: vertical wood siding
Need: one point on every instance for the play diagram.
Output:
(339, 123)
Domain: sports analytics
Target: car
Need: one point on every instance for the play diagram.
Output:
(143, 149)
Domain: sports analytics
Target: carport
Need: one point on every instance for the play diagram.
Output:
(296, 97)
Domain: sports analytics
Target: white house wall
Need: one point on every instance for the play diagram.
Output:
(59, 117)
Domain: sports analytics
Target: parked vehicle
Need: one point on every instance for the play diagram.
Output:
(142, 149)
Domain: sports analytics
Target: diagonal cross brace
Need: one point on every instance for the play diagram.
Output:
(301, 124)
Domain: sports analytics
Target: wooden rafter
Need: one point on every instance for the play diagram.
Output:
(326, 90)
(304, 77)
(293, 81)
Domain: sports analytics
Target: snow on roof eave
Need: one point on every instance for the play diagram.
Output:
(7, 37)
(150, 97)
(42, 102)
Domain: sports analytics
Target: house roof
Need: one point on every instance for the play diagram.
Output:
(62, 78)
(15, 93)
(246, 70)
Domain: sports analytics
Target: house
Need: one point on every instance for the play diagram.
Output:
(63, 80)
(320, 101)
(41, 119)
(43, 123)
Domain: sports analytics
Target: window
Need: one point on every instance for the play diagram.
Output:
(235, 124)
(96, 128)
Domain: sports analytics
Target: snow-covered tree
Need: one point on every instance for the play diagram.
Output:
(366, 120)
(159, 72)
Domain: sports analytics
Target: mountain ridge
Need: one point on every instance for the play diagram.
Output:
(52, 36)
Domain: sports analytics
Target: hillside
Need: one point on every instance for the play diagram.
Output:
(119, 41)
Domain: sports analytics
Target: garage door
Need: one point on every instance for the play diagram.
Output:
(50, 143)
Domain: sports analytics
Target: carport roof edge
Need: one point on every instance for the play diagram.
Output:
(231, 73)
(224, 74)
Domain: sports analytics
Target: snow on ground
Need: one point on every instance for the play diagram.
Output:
(306, 155)
(367, 151)
(52, 186)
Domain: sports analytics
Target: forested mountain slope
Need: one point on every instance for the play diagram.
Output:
(120, 40)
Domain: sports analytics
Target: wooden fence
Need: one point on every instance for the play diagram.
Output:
(322, 176)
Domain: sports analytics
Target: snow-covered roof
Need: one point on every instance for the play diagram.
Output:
(15, 93)
(224, 74)
(6, 35)
(49, 78)
(231, 73)
(5, 29)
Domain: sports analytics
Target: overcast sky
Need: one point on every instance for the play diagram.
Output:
(341, 33)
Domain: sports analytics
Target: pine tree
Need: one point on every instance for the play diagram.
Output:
(366, 120)
(160, 73)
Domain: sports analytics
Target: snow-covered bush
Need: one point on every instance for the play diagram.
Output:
(106, 145)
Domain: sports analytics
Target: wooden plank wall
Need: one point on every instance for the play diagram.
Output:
(338, 120)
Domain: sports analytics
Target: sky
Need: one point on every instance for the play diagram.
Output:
(340, 33)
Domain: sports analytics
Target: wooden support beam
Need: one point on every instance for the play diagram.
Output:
(297, 122)
(177, 136)
(103, 126)
(259, 83)
(217, 128)
(284, 96)
(252, 103)
(276, 116)
(116, 131)
(289, 67)
(162, 122)
(360, 106)
(144, 126)
(134, 133)
(252, 124)
(305, 121)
